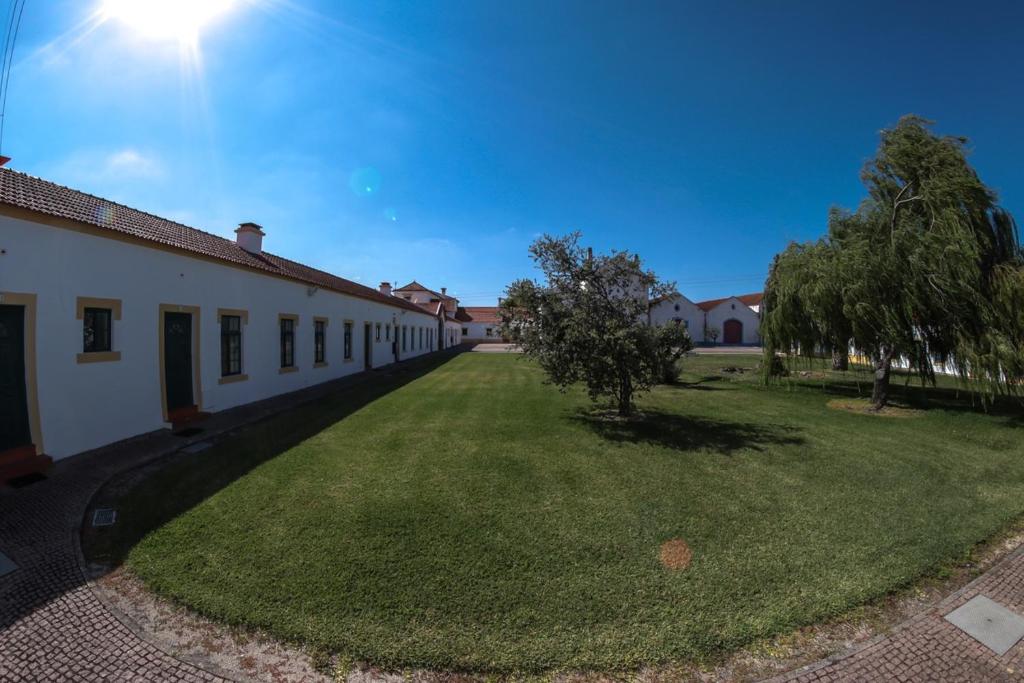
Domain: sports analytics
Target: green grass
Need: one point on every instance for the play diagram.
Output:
(474, 518)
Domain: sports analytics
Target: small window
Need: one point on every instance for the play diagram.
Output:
(348, 341)
(677, 308)
(319, 341)
(387, 332)
(421, 337)
(465, 331)
(96, 330)
(287, 343)
(377, 338)
(405, 331)
(230, 345)
(489, 332)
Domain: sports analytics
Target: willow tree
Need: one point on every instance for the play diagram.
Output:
(927, 270)
(805, 298)
(586, 322)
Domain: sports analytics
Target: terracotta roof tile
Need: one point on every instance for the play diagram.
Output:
(747, 299)
(478, 314)
(41, 196)
(417, 287)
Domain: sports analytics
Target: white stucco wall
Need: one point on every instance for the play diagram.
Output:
(476, 332)
(680, 308)
(734, 308)
(454, 332)
(86, 405)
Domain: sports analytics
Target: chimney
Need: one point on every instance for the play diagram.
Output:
(385, 288)
(444, 291)
(250, 237)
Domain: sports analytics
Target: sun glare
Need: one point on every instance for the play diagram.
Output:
(180, 20)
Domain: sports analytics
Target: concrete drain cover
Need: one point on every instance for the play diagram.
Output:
(6, 565)
(104, 517)
(988, 622)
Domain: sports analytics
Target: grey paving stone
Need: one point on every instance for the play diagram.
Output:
(988, 622)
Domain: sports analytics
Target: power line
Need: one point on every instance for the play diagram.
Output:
(13, 26)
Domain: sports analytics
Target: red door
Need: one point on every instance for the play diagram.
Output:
(732, 332)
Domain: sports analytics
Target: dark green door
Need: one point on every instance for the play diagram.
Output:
(178, 360)
(14, 429)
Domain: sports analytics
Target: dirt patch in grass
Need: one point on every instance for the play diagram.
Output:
(862, 406)
(675, 554)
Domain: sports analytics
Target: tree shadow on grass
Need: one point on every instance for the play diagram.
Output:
(688, 433)
(706, 383)
(913, 395)
(149, 496)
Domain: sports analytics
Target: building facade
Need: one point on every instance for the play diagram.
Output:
(114, 322)
(733, 320)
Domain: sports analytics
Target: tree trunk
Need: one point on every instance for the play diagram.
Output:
(841, 360)
(625, 396)
(883, 368)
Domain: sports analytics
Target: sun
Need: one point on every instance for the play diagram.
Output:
(168, 20)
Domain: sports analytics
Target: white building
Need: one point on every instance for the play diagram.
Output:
(736, 319)
(115, 322)
(439, 304)
(480, 324)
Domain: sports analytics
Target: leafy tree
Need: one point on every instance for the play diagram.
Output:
(586, 323)
(927, 269)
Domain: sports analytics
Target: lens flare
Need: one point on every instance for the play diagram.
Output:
(364, 181)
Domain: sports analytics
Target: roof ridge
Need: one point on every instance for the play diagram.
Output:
(123, 206)
(45, 197)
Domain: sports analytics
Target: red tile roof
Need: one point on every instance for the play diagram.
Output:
(747, 299)
(41, 196)
(478, 314)
(417, 287)
(433, 308)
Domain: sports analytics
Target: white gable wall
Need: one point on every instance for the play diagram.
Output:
(733, 308)
(86, 405)
(679, 308)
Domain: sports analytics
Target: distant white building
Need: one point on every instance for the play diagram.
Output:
(439, 304)
(737, 319)
(480, 324)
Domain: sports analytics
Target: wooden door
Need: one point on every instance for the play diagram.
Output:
(178, 360)
(732, 332)
(14, 428)
(367, 347)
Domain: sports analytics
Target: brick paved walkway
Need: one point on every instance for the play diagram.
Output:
(929, 648)
(53, 628)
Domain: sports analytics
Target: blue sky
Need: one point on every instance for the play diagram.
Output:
(401, 140)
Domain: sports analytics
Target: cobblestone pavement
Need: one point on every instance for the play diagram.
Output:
(53, 628)
(929, 648)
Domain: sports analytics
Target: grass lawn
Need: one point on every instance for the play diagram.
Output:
(474, 518)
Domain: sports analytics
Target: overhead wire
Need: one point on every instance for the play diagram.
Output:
(13, 26)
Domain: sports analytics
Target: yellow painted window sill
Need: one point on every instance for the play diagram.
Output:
(282, 371)
(231, 379)
(320, 365)
(349, 360)
(99, 356)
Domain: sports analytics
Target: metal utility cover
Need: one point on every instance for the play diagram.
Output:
(104, 517)
(988, 622)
